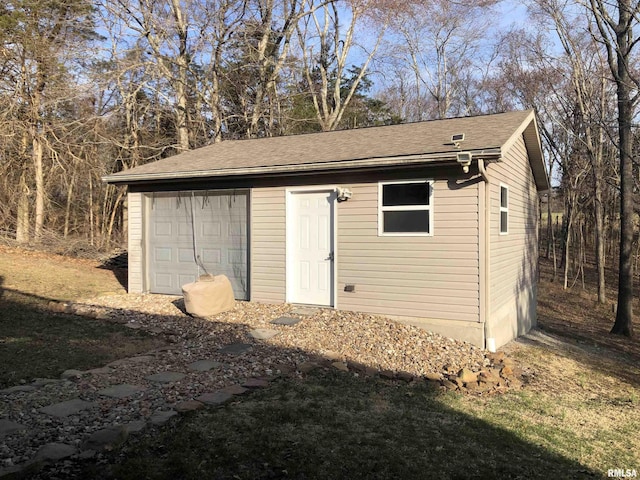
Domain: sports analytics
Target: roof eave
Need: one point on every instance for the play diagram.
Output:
(493, 153)
(529, 131)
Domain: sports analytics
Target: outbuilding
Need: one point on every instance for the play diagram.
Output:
(430, 223)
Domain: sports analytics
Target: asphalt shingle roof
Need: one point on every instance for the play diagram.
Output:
(337, 148)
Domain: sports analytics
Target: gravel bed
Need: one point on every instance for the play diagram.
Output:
(356, 338)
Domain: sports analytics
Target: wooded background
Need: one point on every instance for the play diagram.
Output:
(88, 88)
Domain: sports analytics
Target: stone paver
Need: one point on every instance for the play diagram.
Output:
(99, 371)
(235, 348)
(136, 426)
(17, 388)
(160, 418)
(71, 373)
(305, 310)
(127, 361)
(7, 427)
(64, 409)
(165, 377)
(235, 389)
(263, 333)
(55, 451)
(215, 398)
(255, 383)
(288, 321)
(204, 365)
(123, 390)
(188, 406)
(41, 382)
(106, 439)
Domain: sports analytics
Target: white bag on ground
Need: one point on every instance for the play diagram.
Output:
(208, 296)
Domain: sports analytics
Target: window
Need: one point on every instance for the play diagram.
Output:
(504, 210)
(405, 208)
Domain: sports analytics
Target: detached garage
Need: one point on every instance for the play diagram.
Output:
(430, 223)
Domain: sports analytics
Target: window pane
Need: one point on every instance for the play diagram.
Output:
(415, 221)
(504, 201)
(405, 194)
(503, 222)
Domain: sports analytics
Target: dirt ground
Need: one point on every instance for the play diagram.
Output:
(576, 316)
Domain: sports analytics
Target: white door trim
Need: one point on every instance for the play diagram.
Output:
(289, 223)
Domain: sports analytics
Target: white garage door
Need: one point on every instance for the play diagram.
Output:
(192, 233)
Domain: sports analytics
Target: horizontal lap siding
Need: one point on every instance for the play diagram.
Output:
(426, 277)
(135, 250)
(268, 237)
(514, 256)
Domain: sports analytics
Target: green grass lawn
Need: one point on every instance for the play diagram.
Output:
(37, 343)
(333, 425)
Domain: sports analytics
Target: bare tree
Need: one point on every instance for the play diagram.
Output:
(588, 81)
(326, 51)
(615, 22)
(444, 48)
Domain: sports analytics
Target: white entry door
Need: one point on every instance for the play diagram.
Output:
(310, 250)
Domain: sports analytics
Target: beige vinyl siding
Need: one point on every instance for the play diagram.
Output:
(268, 240)
(135, 203)
(513, 256)
(434, 277)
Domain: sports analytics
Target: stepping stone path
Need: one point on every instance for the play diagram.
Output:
(203, 365)
(7, 427)
(235, 348)
(287, 321)
(17, 388)
(160, 418)
(305, 310)
(166, 377)
(136, 426)
(121, 391)
(126, 361)
(70, 374)
(255, 383)
(188, 406)
(54, 451)
(111, 433)
(263, 333)
(235, 389)
(70, 407)
(99, 371)
(106, 439)
(215, 398)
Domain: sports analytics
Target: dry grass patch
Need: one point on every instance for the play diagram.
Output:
(35, 342)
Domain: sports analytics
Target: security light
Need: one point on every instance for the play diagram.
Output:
(464, 159)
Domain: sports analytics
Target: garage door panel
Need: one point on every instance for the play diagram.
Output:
(184, 231)
(210, 230)
(164, 280)
(163, 229)
(162, 254)
(218, 221)
(184, 279)
(185, 255)
(211, 256)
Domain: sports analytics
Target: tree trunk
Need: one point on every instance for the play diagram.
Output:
(67, 211)
(39, 174)
(624, 314)
(599, 228)
(22, 220)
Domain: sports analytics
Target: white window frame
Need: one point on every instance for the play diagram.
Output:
(503, 209)
(404, 208)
